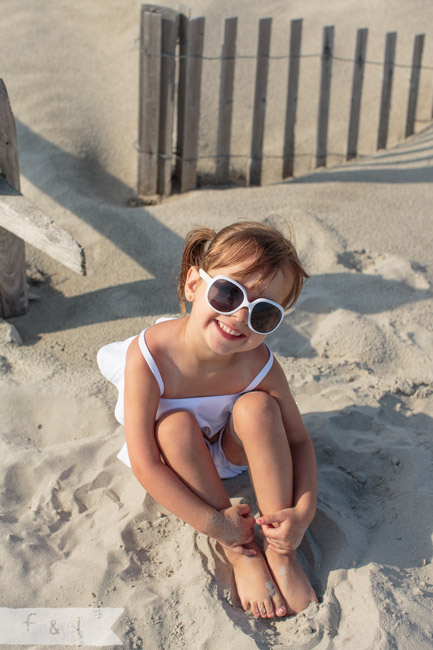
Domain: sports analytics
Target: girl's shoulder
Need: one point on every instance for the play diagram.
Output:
(161, 336)
(149, 352)
(275, 379)
(156, 339)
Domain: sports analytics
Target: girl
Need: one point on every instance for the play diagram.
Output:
(203, 399)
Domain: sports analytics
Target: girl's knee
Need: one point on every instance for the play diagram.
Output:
(257, 401)
(255, 408)
(176, 431)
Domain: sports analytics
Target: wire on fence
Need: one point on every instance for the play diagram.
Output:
(275, 57)
(246, 156)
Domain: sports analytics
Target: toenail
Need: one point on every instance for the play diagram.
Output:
(281, 611)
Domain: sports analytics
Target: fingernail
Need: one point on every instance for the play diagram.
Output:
(259, 521)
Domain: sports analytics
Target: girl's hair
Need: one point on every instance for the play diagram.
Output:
(263, 246)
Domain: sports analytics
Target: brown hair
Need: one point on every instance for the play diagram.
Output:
(266, 246)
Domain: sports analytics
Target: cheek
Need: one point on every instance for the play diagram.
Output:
(200, 307)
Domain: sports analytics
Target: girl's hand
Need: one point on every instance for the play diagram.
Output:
(234, 527)
(284, 529)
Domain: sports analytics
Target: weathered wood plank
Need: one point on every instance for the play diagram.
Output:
(357, 83)
(325, 96)
(149, 97)
(226, 101)
(13, 285)
(181, 88)
(170, 27)
(21, 217)
(385, 103)
(258, 128)
(292, 98)
(191, 51)
(414, 84)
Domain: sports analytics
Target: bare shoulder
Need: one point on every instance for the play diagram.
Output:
(156, 338)
(142, 391)
(134, 356)
(275, 380)
(160, 336)
(159, 340)
(136, 366)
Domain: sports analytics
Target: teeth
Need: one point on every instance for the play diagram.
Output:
(227, 329)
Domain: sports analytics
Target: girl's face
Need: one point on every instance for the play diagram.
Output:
(223, 333)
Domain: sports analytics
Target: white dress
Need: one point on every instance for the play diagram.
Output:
(211, 411)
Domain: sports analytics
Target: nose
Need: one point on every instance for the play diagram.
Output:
(242, 315)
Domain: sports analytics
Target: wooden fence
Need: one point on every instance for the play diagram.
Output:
(22, 221)
(168, 142)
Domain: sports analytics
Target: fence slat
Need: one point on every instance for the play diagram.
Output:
(355, 104)
(21, 217)
(258, 128)
(414, 83)
(325, 95)
(226, 101)
(169, 26)
(385, 104)
(13, 286)
(191, 51)
(181, 86)
(292, 98)
(148, 119)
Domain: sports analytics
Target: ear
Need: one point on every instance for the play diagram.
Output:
(191, 283)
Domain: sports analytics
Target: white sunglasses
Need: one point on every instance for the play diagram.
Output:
(226, 296)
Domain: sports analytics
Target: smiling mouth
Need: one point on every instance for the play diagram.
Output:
(228, 330)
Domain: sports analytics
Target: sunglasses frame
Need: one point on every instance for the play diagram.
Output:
(245, 303)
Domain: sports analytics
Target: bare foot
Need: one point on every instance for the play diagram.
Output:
(291, 581)
(256, 588)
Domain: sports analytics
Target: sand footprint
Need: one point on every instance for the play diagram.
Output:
(386, 266)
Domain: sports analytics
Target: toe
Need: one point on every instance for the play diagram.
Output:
(263, 610)
(270, 612)
(279, 605)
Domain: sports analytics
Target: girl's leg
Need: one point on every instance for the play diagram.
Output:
(256, 436)
(184, 450)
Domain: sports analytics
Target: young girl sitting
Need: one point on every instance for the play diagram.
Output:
(202, 399)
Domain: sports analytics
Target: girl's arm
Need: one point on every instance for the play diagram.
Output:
(141, 403)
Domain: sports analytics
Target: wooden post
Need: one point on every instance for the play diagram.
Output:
(414, 84)
(170, 28)
(258, 128)
(385, 104)
(21, 217)
(148, 118)
(226, 101)
(191, 52)
(355, 104)
(292, 98)
(325, 95)
(13, 285)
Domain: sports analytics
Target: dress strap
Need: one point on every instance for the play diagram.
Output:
(263, 372)
(150, 361)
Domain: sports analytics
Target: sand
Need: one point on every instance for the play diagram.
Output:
(76, 527)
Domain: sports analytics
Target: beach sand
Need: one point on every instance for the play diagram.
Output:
(76, 528)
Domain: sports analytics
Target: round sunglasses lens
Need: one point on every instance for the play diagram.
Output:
(265, 317)
(225, 296)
